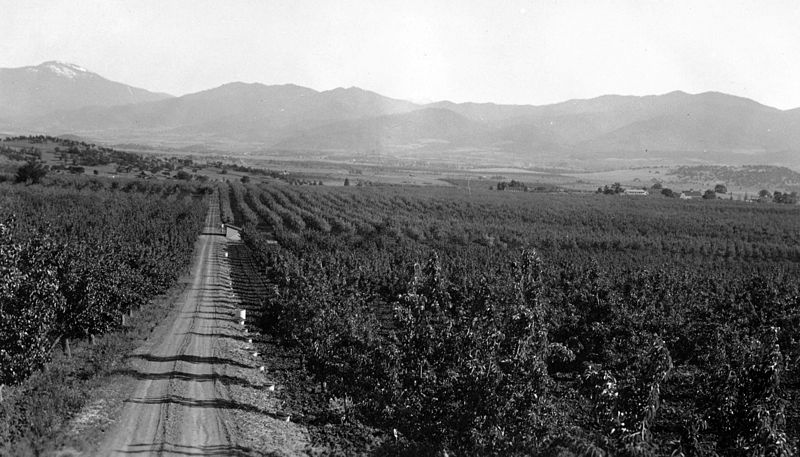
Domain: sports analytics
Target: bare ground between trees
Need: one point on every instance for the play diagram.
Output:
(197, 388)
(194, 387)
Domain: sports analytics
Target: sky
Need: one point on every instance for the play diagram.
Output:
(502, 51)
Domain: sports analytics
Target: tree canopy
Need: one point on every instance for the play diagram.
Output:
(32, 172)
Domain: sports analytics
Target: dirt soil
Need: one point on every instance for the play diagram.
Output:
(198, 386)
(204, 384)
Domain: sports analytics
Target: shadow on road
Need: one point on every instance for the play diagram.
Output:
(215, 403)
(219, 335)
(213, 315)
(183, 376)
(182, 449)
(191, 359)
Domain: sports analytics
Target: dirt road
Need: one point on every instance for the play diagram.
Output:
(198, 380)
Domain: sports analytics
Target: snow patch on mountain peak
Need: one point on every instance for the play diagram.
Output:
(64, 69)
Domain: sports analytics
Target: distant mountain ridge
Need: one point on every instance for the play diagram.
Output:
(244, 111)
(709, 127)
(432, 128)
(53, 86)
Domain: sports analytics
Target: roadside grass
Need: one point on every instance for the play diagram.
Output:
(36, 416)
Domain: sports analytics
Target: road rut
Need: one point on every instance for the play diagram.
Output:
(180, 405)
(182, 402)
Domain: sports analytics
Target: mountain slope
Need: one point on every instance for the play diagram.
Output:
(701, 123)
(425, 128)
(241, 111)
(697, 127)
(675, 122)
(53, 86)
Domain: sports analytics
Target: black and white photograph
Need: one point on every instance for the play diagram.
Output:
(445, 228)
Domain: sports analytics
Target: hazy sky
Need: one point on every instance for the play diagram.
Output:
(505, 51)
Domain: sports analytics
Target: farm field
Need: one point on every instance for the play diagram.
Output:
(410, 320)
(546, 324)
(78, 258)
(198, 374)
(399, 229)
(79, 254)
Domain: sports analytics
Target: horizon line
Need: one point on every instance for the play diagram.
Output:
(407, 100)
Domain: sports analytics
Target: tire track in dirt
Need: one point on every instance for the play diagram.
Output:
(198, 389)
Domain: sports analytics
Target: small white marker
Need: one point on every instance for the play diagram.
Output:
(255, 354)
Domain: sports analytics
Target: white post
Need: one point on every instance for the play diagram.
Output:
(242, 316)
(1, 392)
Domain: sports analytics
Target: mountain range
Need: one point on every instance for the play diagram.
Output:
(52, 86)
(711, 127)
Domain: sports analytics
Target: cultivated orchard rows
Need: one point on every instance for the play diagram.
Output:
(594, 224)
(77, 255)
(495, 323)
(474, 322)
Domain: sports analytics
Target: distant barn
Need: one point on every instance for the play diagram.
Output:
(635, 192)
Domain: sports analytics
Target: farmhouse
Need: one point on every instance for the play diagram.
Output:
(691, 194)
(635, 192)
